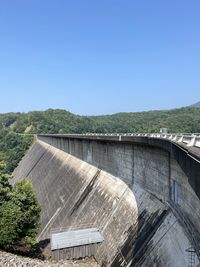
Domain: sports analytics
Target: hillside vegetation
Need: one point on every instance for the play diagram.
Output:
(61, 121)
(12, 149)
(196, 105)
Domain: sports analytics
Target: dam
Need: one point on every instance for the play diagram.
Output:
(141, 191)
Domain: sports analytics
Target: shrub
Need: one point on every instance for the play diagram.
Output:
(19, 212)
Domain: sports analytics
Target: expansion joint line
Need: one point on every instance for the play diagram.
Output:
(85, 193)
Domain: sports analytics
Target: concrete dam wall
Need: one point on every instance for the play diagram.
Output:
(137, 196)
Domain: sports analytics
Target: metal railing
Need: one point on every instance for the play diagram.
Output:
(189, 139)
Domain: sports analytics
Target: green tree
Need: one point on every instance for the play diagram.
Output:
(24, 197)
(5, 188)
(10, 220)
(19, 213)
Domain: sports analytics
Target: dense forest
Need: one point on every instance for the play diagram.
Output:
(12, 149)
(14, 127)
(61, 121)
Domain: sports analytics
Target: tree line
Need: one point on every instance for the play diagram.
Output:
(61, 121)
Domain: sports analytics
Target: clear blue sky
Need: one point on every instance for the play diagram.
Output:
(99, 56)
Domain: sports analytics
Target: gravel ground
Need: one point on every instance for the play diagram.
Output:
(12, 260)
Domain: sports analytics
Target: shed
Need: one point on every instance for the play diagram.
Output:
(75, 244)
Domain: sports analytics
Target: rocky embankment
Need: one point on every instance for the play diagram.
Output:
(12, 260)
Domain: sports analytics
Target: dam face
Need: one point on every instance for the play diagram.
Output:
(138, 196)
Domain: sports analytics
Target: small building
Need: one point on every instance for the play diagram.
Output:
(163, 130)
(75, 244)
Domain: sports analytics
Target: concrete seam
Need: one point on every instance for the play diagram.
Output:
(85, 193)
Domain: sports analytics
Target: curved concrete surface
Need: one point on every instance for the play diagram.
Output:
(75, 194)
(90, 186)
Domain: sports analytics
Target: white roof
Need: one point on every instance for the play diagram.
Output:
(74, 238)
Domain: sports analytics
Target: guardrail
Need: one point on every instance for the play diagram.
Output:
(190, 140)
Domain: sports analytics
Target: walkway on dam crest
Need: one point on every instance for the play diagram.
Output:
(189, 141)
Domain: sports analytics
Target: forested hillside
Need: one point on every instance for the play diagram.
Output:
(61, 121)
(196, 105)
(12, 149)
(13, 126)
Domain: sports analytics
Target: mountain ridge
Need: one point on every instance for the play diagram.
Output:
(186, 119)
(196, 105)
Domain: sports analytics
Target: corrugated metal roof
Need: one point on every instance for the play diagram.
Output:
(75, 238)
